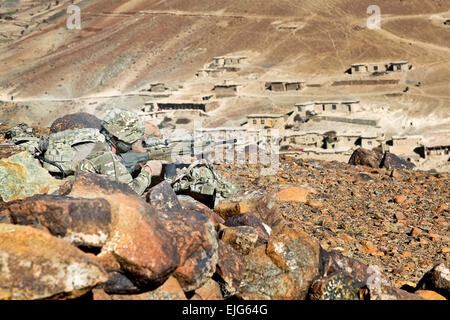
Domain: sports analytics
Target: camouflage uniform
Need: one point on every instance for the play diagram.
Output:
(127, 127)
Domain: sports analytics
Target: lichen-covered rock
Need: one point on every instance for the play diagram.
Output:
(230, 267)
(82, 222)
(37, 265)
(332, 262)
(22, 176)
(249, 219)
(241, 238)
(334, 287)
(390, 293)
(437, 279)
(189, 204)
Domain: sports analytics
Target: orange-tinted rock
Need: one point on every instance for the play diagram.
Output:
(286, 268)
(429, 295)
(82, 222)
(399, 199)
(294, 194)
(210, 291)
(227, 209)
(139, 240)
(37, 265)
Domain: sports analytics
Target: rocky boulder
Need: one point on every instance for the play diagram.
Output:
(365, 157)
(22, 176)
(75, 121)
(139, 244)
(36, 265)
(241, 238)
(391, 161)
(192, 233)
(81, 222)
(285, 269)
(250, 220)
(437, 279)
(230, 267)
(334, 287)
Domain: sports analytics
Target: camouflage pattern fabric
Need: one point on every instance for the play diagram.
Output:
(102, 160)
(69, 147)
(124, 125)
(23, 136)
(200, 178)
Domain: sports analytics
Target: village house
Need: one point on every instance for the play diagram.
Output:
(281, 86)
(226, 90)
(227, 60)
(369, 67)
(298, 140)
(342, 140)
(157, 87)
(437, 152)
(263, 121)
(213, 73)
(404, 145)
(398, 66)
(371, 140)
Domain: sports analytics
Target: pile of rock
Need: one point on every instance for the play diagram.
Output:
(94, 237)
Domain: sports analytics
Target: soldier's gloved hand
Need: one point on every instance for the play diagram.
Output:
(155, 167)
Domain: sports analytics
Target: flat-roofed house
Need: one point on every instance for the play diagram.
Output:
(369, 67)
(399, 66)
(226, 90)
(342, 140)
(228, 60)
(262, 121)
(157, 87)
(404, 145)
(278, 86)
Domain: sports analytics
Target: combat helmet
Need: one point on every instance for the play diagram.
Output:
(125, 125)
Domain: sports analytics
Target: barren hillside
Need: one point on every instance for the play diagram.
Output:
(122, 46)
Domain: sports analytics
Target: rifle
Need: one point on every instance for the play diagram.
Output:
(164, 149)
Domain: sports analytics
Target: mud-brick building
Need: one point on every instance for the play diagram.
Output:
(157, 87)
(296, 140)
(213, 73)
(282, 86)
(398, 66)
(264, 121)
(342, 140)
(404, 146)
(437, 152)
(226, 90)
(223, 61)
(369, 67)
(371, 140)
